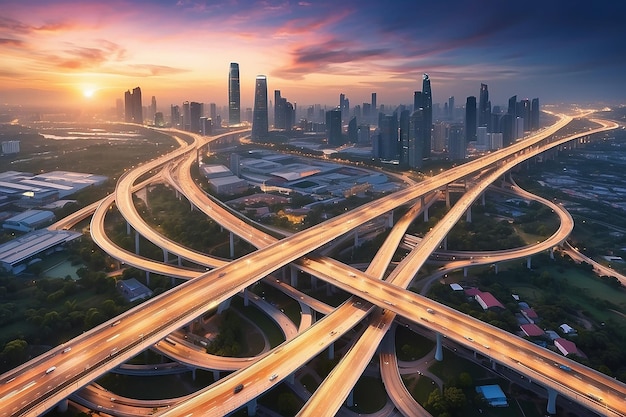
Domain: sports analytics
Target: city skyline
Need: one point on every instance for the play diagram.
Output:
(91, 52)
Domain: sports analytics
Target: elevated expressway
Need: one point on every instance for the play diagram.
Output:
(193, 296)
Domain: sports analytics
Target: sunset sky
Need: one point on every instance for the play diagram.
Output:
(76, 52)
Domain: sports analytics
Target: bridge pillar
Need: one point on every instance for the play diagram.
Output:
(165, 255)
(137, 243)
(439, 350)
(445, 243)
(350, 398)
(193, 374)
(482, 198)
(293, 279)
(232, 245)
(552, 253)
(313, 282)
(246, 297)
(528, 263)
(425, 214)
(291, 379)
(148, 277)
(216, 375)
(331, 351)
(62, 406)
(496, 267)
(468, 214)
(465, 271)
(447, 196)
(551, 408)
(494, 366)
(180, 261)
(390, 219)
(223, 306)
(128, 228)
(173, 281)
(252, 407)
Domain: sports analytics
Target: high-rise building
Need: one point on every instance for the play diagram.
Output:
(484, 107)
(213, 112)
(284, 113)
(534, 114)
(523, 111)
(457, 145)
(175, 116)
(352, 130)
(374, 105)
(418, 100)
(153, 108)
(133, 110)
(234, 96)
(389, 145)
(186, 124)
(259, 116)
(470, 119)
(195, 113)
(451, 112)
(416, 138)
(428, 114)
(512, 107)
(333, 127)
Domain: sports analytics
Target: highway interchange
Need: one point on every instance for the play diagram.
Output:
(106, 346)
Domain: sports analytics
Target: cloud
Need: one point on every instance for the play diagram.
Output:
(12, 42)
(144, 70)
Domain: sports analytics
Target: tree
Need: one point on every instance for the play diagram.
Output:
(454, 397)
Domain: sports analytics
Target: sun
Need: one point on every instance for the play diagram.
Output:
(88, 93)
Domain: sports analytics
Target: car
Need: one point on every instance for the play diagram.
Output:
(565, 368)
(67, 349)
(430, 310)
(469, 338)
(50, 370)
(273, 377)
(238, 388)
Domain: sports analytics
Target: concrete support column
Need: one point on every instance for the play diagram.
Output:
(252, 407)
(216, 375)
(552, 394)
(331, 351)
(390, 219)
(293, 279)
(62, 406)
(180, 261)
(439, 350)
(165, 255)
(128, 228)
(193, 374)
(148, 277)
(425, 214)
(313, 282)
(528, 263)
(136, 243)
(246, 298)
(232, 245)
(223, 306)
(291, 379)
(494, 366)
(465, 271)
(552, 253)
(447, 196)
(482, 199)
(496, 267)
(350, 399)
(468, 214)
(445, 243)
(424, 208)
(173, 281)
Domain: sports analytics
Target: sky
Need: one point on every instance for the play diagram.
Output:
(88, 53)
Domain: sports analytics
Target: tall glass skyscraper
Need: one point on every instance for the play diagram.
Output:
(427, 100)
(259, 114)
(133, 106)
(484, 106)
(234, 96)
(470, 119)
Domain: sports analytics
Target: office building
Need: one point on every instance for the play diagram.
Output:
(389, 145)
(534, 114)
(404, 137)
(416, 138)
(427, 101)
(234, 96)
(457, 144)
(333, 127)
(196, 111)
(470, 119)
(175, 116)
(484, 107)
(133, 110)
(451, 112)
(284, 113)
(186, 122)
(259, 116)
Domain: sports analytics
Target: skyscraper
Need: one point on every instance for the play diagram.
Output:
(234, 97)
(186, 125)
(333, 127)
(457, 145)
(484, 106)
(428, 114)
(195, 113)
(470, 119)
(534, 114)
(259, 115)
(416, 139)
(389, 146)
(451, 108)
(133, 110)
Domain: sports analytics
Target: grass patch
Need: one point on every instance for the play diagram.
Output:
(369, 395)
(410, 345)
(156, 387)
(453, 365)
(268, 326)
